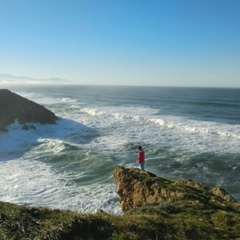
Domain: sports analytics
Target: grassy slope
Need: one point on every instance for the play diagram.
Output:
(156, 221)
(196, 215)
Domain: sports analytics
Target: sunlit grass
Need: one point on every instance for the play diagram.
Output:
(155, 221)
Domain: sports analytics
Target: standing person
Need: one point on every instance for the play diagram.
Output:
(141, 157)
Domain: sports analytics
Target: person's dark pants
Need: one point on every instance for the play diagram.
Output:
(142, 166)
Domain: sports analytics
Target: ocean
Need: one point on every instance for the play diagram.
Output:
(186, 133)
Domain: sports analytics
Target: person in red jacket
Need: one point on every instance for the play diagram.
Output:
(141, 157)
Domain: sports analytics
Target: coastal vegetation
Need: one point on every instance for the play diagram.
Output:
(197, 214)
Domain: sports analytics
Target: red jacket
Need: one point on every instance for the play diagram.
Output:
(141, 156)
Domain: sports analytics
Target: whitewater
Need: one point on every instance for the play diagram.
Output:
(187, 133)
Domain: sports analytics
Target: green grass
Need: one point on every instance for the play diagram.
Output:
(154, 221)
(193, 214)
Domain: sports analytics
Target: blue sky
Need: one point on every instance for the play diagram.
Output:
(120, 42)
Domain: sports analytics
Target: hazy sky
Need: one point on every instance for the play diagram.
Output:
(134, 42)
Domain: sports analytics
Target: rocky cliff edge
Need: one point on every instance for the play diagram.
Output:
(137, 188)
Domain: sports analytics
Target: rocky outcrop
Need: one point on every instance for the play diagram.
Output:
(137, 189)
(13, 106)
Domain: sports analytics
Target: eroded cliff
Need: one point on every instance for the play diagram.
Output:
(137, 188)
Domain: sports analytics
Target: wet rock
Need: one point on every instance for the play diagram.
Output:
(28, 127)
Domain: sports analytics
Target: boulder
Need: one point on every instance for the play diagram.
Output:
(28, 127)
(13, 106)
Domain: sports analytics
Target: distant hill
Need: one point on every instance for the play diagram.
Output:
(10, 79)
(13, 106)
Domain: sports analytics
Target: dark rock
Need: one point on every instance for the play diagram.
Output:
(28, 127)
(34, 212)
(13, 106)
(100, 211)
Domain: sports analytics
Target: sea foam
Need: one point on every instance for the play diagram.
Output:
(95, 133)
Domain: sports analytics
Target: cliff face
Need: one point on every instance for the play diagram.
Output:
(137, 189)
(13, 106)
